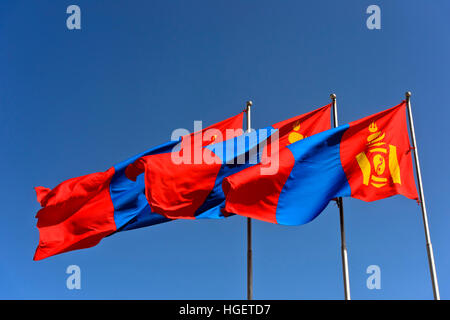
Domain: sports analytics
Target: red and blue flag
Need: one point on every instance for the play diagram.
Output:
(81, 211)
(193, 189)
(368, 159)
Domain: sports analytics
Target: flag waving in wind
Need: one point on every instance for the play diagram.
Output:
(292, 130)
(81, 211)
(295, 129)
(192, 189)
(303, 126)
(368, 159)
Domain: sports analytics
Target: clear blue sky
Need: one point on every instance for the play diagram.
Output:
(76, 102)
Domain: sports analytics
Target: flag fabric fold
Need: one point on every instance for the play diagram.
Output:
(368, 159)
(81, 211)
(76, 214)
(192, 189)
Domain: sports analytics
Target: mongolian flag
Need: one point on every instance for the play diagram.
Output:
(368, 159)
(144, 217)
(302, 126)
(81, 211)
(191, 187)
(294, 129)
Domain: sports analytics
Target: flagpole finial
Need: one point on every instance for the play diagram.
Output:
(408, 94)
(249, 104)
(333, 96)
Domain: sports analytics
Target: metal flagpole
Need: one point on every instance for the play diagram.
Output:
(340, 204)
(249, 227)
(434, 280)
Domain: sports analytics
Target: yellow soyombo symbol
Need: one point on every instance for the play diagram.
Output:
(295, 135)
(377, 153)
